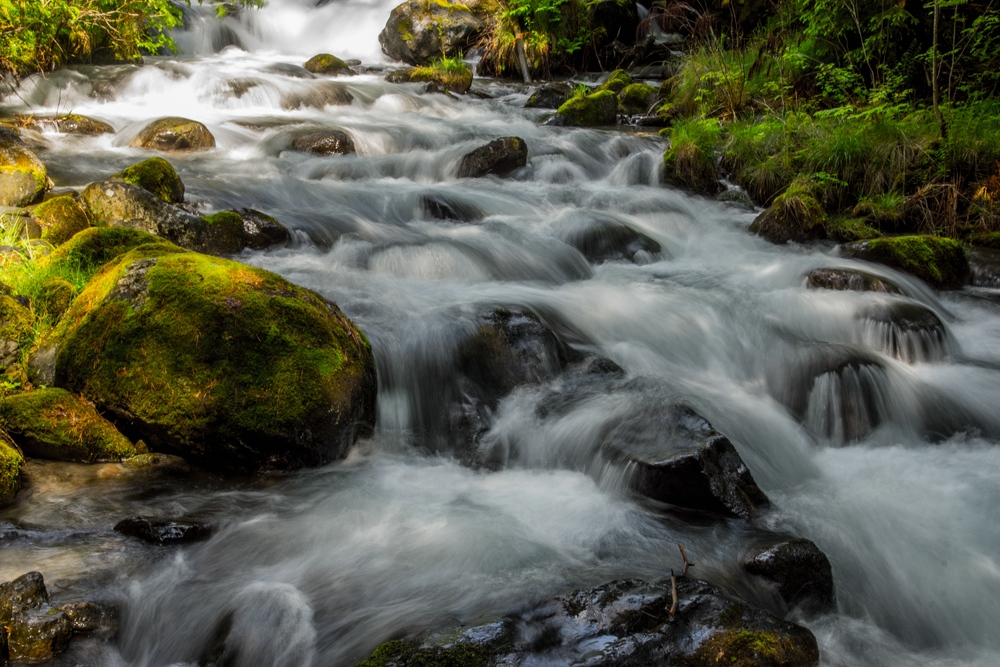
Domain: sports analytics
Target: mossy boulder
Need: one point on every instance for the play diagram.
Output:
(616, 81)
(795, 215)
(54, 424)
(939, 262)
(35, 631)
(600, 108)
(96, 246)
(57, 295)
(23, 178)
(420, 31)
(318, 96)
(173, 134)
(324, 142)
(11, 470)
(549, 96)
(637, 99)
(458, 81)
(480, 646)
(60, 218)
(324, 63)
(499, 157)
(154, 175)
(16, 323)
(849, 279)
(69, 124)
(225, 364)
(122, 205)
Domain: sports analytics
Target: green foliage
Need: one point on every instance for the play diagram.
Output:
(551, 32)
(690, 160)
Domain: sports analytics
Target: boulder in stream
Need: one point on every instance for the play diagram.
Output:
(90, 617)
(23, 177)
(799, 571)
(163, 531)
(458, 81)
(325, 63)
(940, 262)
(324, 142)
(60, 218)
(904, 329)
(174, 134)
(260, 230)
(227, 365)
(318, 96)
(595, 109)
(608, 240)
(795, 215)
(849, 279)
(637, 99)
(154, 175)
(549, 96)
(69, 124)
(35, 631)
(500, 157)
(984, 265)
(419, 32)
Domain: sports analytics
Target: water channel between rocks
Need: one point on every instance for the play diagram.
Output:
(402, 536)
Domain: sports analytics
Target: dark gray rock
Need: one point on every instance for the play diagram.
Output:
(417, 32)
(163, 532)
(499, 157)
(800, 572)
(92, 618)
(549, 96)
(607, 240)
(906, 330)
(35, 631)
(324, 142)
(849, 279)
(260, 230)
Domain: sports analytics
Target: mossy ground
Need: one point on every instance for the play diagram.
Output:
(52, 423)
(154, 175)
(747, 648)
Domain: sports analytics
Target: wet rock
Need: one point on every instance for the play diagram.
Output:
(94, 618)
(736, 197)
(438, 80)
(549, 96)
(324, 63)
(600, 108)
(60, 218)
(637, 99)
(616, 81)
(984, 265)
(418, 33)
(939, 262)
(329, 94)
(849, 279)
(260, 230)
(795, 215)
(12, 470)
(163, 532)
(70, 124)
(800, 572)
(620, 624)
(905, 330)
(441, 206)
(154, 175)
(260, 373)
(500, 157)
(324, 142)
(23, 177)
(678, 458)
(53, 424)
(289, 70)
(174, 134)
(35, 631)
(602, 240)
(123, 205)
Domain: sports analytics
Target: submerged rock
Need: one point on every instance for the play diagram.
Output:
(324, 142)
(940, 262)
(12, 470)
(906, 330)
(418, 32)
(984, 267)
(549, 96)
(53, 424)
(600, 108)
(174, 134)
(620, 624)
(60, 218)
(325, 63)
(800, 572)
(329, 94)
(36, 632)
(795, 215)
(605, 240)
(154, 175)
(442, 206)
(163, 532)
(23, 177)
(91, 617)
(849, 279)
(499, 157)
(225, 364)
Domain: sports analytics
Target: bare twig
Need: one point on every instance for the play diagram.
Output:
(675, 599)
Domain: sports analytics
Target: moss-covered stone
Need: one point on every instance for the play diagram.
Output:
(616, 81)
(795, 215)
(53, 424)
(470, 647)
(154, 175)
(940, 262)
(261, 230)
(60, 218)
(23, 177)
(173, 134)
(549, 96)
(96, 246)
(600, 108)
(637, 98)
(225, 232)
(57, 295)
(750, 648)
(845, 230)
(69, 124)
(324, 63)
(11, 470)
(690, 165)
(225, 364)
(455, 81)
(418, 32)
(16, 324)
(499, 157)
(34, 630)
(986, 240)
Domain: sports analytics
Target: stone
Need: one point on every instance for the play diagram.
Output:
(57, 295)
(500, 157)
(795, 215)
(421, 31)
(163, 532)
(984, 267)
(23, 178)
(174, 134)
(36, 632)
(799, 571)
(549, 96)
(849, 279)
(324, 63)
(60, 218)
(607, 240)
(12, 470)
(637, 99)
(260, 230)
(940, 262)
(318, 96)
(154, 175)
(616, 81)
(905, 330)
(324, 142)
(69, 124)
(230, 366)
(90, 617)
(452, 81)
(595, 109)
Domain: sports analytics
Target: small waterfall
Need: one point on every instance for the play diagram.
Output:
(906, 331)
(848, 405)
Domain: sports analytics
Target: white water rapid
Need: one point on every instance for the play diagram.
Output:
(877, 443)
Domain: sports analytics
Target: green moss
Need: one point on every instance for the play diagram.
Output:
(154, 175)
(411, 654)
(52, 423)
(616, 81)
(748, 648)
(986, 239)
(795, 215)
(225, 232)
(325, 63)
(689, 162)
(60, 218)
(16, 321)
(11, 469)
(637, 98)
(57, 295)
(94, 247)
(846, 230)
(208, 353)
(452, 74)
(938, 261)
(600, 108)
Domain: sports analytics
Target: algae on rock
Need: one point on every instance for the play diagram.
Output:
(154, 175)
(60, 218)
(599, 108)
(11, 470)
(940, 262)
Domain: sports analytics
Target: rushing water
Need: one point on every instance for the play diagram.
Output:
(875, 441)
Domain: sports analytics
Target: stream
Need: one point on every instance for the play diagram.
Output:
(320, 566)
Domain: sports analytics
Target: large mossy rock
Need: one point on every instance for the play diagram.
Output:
(637, 99)
(35, 631)
(600, 108)
(11, 470)
(549, 96)
(227, 365)
(458, 81)
(849, 279)
(54, 424)
(325, 63)
(60, 218)
(499, 157)
(122, 205)
(69, 124)
(154, 175)
(795, 215)
(23, 177)
(616, 81)
(420, 31)
(939, 262)
(96, 246)
(690, 164)
(173, 134)
(16, 324)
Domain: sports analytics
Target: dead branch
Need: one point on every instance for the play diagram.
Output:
(675, 599)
